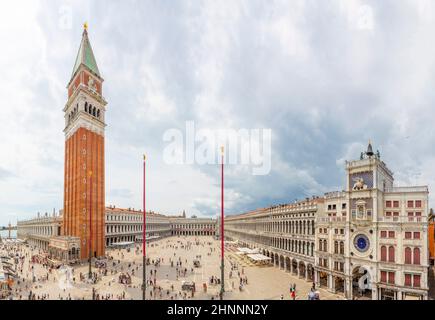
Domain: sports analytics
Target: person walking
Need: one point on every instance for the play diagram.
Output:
(311, 294)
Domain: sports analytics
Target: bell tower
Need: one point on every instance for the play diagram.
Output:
(84, 191)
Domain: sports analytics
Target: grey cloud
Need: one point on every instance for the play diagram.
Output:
(301, 68)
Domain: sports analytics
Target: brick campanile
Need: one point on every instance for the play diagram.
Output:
(84, 154)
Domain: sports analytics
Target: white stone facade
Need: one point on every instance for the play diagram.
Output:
(126, 225)
(40, 230)
(285, 233)
(370, 240)
(122, 225)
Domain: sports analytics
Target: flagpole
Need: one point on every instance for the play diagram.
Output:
(222, 226)
(144, 233)
(90, 224)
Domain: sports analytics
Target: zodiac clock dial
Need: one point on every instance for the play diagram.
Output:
(361, 243)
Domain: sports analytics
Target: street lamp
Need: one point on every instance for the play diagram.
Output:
(144, 285)
(222, 225)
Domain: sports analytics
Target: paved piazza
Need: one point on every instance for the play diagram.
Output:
(264, 282)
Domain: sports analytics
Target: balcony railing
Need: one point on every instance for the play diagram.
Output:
(407, 189)
(402, 219)
(330, 219)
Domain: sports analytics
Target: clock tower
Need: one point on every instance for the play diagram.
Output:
(84, 192)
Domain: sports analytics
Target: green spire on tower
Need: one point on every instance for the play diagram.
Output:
(85, 56)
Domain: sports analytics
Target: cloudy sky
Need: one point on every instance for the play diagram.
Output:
(325, 77)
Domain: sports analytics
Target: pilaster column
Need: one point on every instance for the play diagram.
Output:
(349, 289)
(374, 293)
(399, 295)
(330, 283)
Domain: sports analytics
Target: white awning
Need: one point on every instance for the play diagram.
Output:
(147, 238)
(123, 244)
(2, 274)
(259, 257)
(248, 251)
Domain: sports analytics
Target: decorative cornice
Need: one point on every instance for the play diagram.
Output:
(82, 122)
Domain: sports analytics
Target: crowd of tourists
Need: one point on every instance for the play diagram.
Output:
(118, 275)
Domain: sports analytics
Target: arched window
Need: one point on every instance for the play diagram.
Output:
(341, 247)
(335, 246)
(408, 255)
(90, 109)
(416, 256)
(94, 112)
(391, 257)
(86, 106)
(383, 253)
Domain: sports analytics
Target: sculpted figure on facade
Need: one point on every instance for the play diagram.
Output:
(359, 184)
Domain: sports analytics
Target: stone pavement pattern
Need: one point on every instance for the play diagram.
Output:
(265, 282)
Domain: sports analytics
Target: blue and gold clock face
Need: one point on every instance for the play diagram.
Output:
(361, 243)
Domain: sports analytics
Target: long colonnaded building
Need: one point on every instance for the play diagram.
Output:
(121, 225)
(368, 241)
